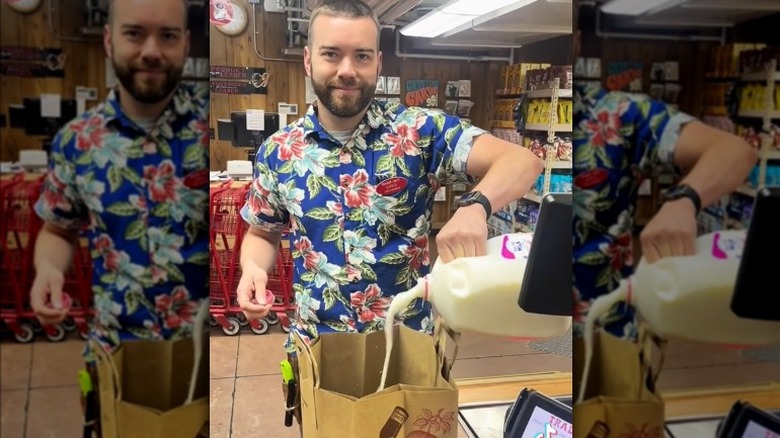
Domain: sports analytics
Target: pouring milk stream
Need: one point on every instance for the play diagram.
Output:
(687, 298)
(479, 295)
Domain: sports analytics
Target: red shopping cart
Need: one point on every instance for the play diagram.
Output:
(21, 226)
(226, 232)
(20, 229)
(280, 284)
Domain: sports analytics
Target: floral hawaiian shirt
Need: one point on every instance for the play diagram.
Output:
(619, 139)
(359, 213)
(144, 198)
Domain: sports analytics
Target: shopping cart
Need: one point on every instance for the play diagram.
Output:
(226, 232)
(280, 284)
(21, 227)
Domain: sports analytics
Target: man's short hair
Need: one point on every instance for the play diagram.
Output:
(111, 13)
(343, 8)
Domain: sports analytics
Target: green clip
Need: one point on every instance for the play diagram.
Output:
(85, 381)
(287, 371)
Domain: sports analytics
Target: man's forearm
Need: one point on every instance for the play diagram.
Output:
(510, 177)
(55, 247)
(260, 248)
(722, 168)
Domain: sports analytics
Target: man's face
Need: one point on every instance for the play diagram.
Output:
(148, 43)
(343, 61)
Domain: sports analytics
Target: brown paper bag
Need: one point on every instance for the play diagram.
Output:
(340, 373)
(620, 390)
(143, 386)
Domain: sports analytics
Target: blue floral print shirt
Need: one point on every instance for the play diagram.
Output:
(619, 140)
(359, 213)
(144, 198)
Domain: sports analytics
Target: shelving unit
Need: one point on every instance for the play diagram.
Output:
(552, 128)
(770, 76)
(769, 113)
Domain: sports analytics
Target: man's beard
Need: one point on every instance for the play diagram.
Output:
(345, 106)
(146, 91)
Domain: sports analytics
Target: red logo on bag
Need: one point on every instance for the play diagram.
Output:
(391, 186)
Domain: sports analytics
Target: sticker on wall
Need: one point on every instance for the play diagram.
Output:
(32, 61)
(422, 92)
(241, 80)
(220, 12)
(235, 87)
(228, 17)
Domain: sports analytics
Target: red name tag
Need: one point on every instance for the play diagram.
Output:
(391, 186)
(199, 178)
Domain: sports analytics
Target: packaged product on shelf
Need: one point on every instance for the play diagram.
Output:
(526, 215)
(563, 147)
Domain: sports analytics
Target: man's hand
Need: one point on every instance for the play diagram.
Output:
(671, 232)
(464, 235)
(46, 295)
(251, 292)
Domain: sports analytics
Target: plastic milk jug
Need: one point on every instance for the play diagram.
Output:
(690, 297)
(480, 295)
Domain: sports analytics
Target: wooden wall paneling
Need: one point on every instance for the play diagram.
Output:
(84, 65)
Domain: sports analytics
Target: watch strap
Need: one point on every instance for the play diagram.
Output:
(477, 197)
(685, 191)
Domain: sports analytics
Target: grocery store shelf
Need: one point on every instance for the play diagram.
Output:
(746, 190)
(759, 114)
(758, 76)
(560, 165)
(533, 197)
(545, 127)
(537, 94)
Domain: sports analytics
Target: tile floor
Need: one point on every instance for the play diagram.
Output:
(40, 396)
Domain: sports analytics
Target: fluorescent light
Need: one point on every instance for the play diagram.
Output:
(631, 7)
(480, 7)
(434, 24)
(456, 13)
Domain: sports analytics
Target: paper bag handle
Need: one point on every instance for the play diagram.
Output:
(197, 339)
(197, 336)
(301, 344)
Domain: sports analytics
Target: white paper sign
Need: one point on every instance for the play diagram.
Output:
(50, 105)
(255, 120)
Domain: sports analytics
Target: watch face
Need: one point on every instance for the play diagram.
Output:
(468, 198)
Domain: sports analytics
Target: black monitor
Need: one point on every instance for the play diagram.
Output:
(35, 124)
(534, 414)
(547, 282)
(748, 421)
(245, 138)
(753, 295)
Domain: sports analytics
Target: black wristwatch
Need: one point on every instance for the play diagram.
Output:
(683, 191)
(471, 198)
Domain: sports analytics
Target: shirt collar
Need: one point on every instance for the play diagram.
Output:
(182, 103)
(374, 118)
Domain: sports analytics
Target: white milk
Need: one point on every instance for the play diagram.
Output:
(688, 297)
(480, 295)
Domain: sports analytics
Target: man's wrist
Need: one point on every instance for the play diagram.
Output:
(477, 209)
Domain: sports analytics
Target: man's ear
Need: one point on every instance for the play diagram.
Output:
(307, 60)
(379, 63)
(107, 40)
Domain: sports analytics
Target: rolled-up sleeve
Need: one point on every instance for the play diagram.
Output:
(265, 205)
